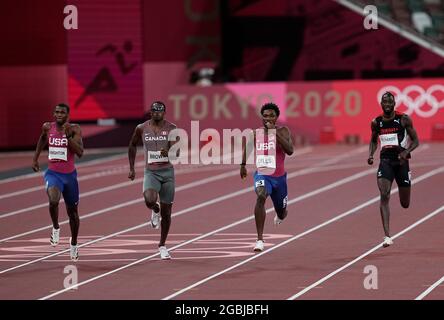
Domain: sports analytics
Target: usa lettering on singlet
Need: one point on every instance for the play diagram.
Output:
(269, 155)
(60, 157)
(58, 149)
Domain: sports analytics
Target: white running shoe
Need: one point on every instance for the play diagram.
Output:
(387, 242)
(277, 220)
(55, 236)
(74, 251)
(155, 218)
(259, 246)
(164, 254)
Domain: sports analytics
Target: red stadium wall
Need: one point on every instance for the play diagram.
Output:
(155, 42)
(346, 107)
(32, 68)
(105, 60)
(131, 64)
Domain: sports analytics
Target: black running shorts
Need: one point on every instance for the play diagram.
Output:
(393, 170)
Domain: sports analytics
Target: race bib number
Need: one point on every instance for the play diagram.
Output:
(260, 183)
(389, 140)
(156, 157)
(266, 161)
(55, 153)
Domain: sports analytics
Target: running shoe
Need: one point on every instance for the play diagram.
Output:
(387, 242)
(164, 255)
(277, 221)
(259, 246)
(74, 251)
(55, 236)
(155, 218)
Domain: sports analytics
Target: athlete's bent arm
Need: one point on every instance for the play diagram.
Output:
(43, 139)
(408, 125)
(74, 135)
(283, 137)
(248, 145)
(132, 150)
(373, 143)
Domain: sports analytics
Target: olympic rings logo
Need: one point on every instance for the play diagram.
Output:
(425, 98)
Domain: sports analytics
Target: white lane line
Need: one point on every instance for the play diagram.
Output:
(96, 191)
(80, 165)
(129, 203)
(430, 289)
(184, 187)
(190, 209)
(330, 275)
(298, 236)
(297, 199)
(430, 215)
(118, 186)
(100, 174)
(193, 184)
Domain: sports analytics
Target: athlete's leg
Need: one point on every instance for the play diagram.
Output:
(151, 188)
(404, 196)
(166, 196)
(385, 187)
(150, 196)
(54, 189)
(281, 213)
(165, 212)
(74, 222)
(54, 195)
(259, 211)
(71, 196)
(280, 197)
(403, 179)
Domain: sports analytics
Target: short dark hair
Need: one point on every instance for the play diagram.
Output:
(63, 105)
(388, 94)
(270, 106)
(158, 104)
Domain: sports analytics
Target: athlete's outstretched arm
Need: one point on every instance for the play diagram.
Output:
(74, 135)
(408, 125)
(373, 142)
(283, 137)
(132, 150)
(43, 139)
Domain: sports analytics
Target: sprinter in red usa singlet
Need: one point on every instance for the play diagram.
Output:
(64, 141)
(271, 145)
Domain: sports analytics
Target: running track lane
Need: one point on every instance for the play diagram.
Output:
(220, 213)
(302, 260)
(408, 267)
(39, 216)
(125, 277)
(14, 222)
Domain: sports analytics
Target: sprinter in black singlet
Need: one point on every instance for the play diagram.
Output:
(394, 131)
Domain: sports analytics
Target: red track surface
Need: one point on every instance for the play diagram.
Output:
(405, 270)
